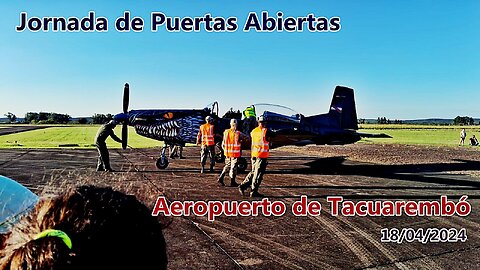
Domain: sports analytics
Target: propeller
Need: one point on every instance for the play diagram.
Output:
(126, 97)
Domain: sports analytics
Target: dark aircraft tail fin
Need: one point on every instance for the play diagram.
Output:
(342, 111)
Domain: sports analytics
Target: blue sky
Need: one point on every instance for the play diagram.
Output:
(405, 59)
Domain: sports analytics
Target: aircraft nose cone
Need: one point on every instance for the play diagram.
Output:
(121, 117)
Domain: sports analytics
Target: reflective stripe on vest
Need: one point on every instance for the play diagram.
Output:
(231, 144)
(260, 146)
(207, 134)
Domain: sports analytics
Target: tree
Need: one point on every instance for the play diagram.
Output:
(47, 118)
(383, 120)
(58, 118)
(12, 118)
(31, 117)
(101, 118)
(43, 116)
(463, 120)
(82, 120)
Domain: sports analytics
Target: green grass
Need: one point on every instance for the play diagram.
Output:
(411, 126)
(419, 134)
(81, 135)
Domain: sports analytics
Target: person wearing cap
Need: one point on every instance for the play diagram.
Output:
(249, 121)
(103, 133)
(205, 138)
(249, 112)
(260, 153)
(232, 149)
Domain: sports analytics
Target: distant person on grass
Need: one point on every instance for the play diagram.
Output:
(463, 135)
(473, 141)
(86, 228)
(103, 133)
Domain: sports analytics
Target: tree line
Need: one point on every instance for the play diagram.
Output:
(57, 118)
(459, 121)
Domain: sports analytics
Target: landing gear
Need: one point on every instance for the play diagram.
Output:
(162, 161)
(219, 156)
(242, 164)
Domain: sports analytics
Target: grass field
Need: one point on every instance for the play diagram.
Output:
(420, 134)
(82, 136)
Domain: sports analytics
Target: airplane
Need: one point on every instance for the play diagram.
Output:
(180, 126)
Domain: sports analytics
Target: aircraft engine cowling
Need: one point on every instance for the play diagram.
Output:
(183, 129)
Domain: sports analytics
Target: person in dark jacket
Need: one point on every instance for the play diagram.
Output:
(103, 133)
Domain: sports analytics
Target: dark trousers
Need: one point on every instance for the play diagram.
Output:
(103, 157)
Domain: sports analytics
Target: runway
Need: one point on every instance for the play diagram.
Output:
(357, 172)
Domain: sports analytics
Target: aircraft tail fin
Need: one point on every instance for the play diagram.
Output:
(342, 111)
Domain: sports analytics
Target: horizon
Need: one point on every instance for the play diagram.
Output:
(415, 119)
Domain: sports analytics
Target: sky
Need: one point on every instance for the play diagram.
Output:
(405, 59)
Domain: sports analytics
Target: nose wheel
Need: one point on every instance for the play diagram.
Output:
(162, 161)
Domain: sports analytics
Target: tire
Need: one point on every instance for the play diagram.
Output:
(162, 163)
(219, 156)
(242, 165)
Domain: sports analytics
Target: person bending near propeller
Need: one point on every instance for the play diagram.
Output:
(103, 133)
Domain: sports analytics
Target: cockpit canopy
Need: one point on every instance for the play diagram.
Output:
(277, 113)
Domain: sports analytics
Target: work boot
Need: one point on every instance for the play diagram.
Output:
(182, 157)
(220, 181)
(233, 183)
(109, 170)
(100, 169)
(255, 194)
(211, 169)
(202, 170)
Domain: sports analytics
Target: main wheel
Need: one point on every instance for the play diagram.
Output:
(242, 165)
(162, 163)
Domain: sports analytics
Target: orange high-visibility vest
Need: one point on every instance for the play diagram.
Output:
(206, 132)
(231, 143)
(260, 146)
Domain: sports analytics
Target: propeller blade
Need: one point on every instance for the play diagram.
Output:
(124, 136)
(126, 97)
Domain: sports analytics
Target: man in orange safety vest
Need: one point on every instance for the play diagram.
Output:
(260, 153)
(232, 148)
(205, 138)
